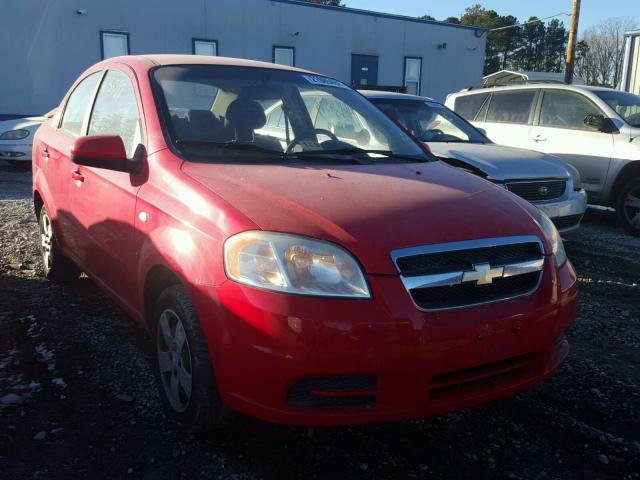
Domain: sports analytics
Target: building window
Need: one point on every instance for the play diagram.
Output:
(284, 56)
(114, 44)
(205, 47)
(412, 74)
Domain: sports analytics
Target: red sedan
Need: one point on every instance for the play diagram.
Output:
(333, 273)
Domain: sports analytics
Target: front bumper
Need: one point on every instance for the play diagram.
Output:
(568, 212)
(15, 152)
(265, 345)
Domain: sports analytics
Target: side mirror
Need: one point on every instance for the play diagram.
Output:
(105, 151)
(600, 123)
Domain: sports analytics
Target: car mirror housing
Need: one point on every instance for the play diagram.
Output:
(600, 123)
(105, 151)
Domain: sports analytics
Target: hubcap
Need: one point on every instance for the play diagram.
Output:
(174, 360)
(632, 208)
(46, 240)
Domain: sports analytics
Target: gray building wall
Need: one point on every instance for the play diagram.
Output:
(46, 44)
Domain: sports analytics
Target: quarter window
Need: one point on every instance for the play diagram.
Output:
(565, 110)
(116, 112)
(511, 107)
(78, 104)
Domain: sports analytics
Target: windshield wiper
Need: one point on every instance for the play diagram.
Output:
(358, 153)
(237, 146)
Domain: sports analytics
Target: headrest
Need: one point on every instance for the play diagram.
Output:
(246, 114)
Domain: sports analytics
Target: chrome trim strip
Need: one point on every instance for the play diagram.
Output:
(522, 268)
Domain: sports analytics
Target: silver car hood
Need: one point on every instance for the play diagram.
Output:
(501, 163)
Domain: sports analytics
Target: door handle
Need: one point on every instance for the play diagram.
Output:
(45, 153)
(77, 176)
(539, 138)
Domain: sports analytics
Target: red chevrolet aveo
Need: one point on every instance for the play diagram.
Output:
(310, 265)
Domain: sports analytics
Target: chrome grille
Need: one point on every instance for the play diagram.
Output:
(468, 273)
(540, 191)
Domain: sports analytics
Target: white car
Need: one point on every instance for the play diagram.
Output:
(16, 136)
(595, 129)
(544, 180)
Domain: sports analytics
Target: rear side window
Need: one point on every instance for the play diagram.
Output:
(565, 110)
(511, 107)
(78, 105)
(116, 111)
(468, 106)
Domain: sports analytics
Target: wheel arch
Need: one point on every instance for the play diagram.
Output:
(629, 171)
(158, 278)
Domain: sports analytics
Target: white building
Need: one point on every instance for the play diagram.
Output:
(46, 44)
(630, 81)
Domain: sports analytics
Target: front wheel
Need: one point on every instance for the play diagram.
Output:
(183, 366)
(57, 267)
(628, 206)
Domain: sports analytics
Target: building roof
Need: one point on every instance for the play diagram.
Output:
(512, 77)
(392, 16)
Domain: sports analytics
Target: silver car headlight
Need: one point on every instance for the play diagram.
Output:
(14, 134)
(575, 176)
(551, 232)
(293, 264)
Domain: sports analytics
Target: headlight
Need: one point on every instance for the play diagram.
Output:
(293, 264)
(551, 232)
(575, 176)
(14, 134)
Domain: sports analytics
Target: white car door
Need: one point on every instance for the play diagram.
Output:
(560, 130)
(507, 117)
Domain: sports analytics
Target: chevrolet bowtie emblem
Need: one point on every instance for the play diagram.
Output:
(543, 190)
(482, 274)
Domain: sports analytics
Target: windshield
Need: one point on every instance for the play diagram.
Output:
(227, 113)
(430, 121)
(627, 105)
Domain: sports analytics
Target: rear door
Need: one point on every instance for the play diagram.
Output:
(105, 200)
(52, 157)
(507, 117)
(560, 130)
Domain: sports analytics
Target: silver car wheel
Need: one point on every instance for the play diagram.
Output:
(46, 240)
(174, 360)
(632, 208)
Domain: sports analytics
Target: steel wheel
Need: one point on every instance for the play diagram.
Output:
(174, 360)
(46, 241)
(631, 207)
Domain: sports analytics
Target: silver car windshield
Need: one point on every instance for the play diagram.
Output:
(268, 114)
(627, 105)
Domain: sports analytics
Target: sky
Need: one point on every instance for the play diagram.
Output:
(591, 12)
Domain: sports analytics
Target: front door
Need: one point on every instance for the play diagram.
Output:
(105, 200)
(364, 70)
(561, 131)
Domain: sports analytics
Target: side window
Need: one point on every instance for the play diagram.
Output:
(511, 107)
(78, 105)
(116, 111)
(565, 110)
(468, 106)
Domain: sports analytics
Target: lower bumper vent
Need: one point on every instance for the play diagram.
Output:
(342, 391)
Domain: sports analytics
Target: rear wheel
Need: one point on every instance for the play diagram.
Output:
(628, 206)
(57, 267)
(183, 366)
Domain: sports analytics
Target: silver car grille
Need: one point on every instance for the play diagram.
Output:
(469, 273)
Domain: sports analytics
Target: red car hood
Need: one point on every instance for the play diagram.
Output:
(370, 209)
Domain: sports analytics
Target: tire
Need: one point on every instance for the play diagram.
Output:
(183, 367)
(57, 267)
(628, 206)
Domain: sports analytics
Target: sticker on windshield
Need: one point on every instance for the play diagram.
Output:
(324, 81)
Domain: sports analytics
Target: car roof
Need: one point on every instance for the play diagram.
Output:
(534, 86)
(393, 95)
(170, 59)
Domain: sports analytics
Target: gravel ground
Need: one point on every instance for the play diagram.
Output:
(77, 395)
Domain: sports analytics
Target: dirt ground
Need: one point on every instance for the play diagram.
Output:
(77, 397)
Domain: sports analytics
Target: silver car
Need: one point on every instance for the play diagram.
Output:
(547, 181)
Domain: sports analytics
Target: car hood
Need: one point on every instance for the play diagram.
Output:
(498, 162)
(370, 209)
(27, 123)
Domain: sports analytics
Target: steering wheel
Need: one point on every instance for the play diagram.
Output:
(316, 131)
(431, 133)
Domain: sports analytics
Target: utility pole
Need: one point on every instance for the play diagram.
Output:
(571, 45)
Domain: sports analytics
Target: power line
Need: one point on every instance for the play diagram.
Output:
(531, 21)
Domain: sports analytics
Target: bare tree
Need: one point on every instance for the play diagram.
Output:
(601, 51)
